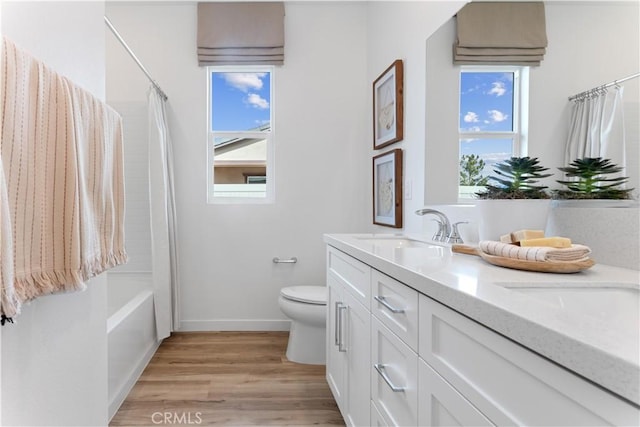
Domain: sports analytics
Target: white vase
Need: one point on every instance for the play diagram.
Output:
(500, 217)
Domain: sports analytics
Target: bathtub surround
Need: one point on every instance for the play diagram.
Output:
(131, 332)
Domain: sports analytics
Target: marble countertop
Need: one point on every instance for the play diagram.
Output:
(600, 347)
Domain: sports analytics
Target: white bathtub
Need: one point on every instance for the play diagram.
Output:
(131, 332)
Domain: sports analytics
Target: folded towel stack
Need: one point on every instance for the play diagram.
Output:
(535, 253)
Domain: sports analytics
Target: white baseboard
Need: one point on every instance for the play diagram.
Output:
(234, 325)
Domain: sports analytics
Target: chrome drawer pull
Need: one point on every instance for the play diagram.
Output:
(380, 368)
(336, 332)
(341, 347)
(382, 300)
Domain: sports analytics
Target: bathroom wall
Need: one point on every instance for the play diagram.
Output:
(54, 358)
(399, 30)
(322, 155)
(590, 43)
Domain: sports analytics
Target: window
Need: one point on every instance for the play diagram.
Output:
(240, 135)
(492, 124)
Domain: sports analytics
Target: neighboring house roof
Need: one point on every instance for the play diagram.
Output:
(242, 151)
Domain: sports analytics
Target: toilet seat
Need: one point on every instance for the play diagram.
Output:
(306, 294)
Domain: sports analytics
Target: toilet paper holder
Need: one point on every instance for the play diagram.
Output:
(291, 260)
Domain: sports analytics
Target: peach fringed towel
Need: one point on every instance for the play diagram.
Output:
(535, 253)
(62, 188)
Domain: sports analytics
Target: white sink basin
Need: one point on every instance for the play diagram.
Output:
(617, 305)
(395, 241)
(410, 252)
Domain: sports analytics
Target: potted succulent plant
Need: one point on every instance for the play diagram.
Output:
(589, 178)
(513, 200)
(516, 178)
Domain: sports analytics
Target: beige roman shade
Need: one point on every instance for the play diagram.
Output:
(241, 33)
(509, 33)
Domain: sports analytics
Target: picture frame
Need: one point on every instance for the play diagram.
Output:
(387, 106)
(387, 189)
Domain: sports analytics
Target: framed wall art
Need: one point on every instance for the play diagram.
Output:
(387, 106)
(387, 189)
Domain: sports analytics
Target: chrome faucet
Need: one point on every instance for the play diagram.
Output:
(446, 232)
(444, 226)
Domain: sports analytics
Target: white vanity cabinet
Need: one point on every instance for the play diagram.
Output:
(505, 382)
(348, 336)
(398, 357)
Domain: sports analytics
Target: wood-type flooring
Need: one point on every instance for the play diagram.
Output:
(228, 379)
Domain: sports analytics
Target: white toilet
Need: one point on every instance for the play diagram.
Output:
(306, 307)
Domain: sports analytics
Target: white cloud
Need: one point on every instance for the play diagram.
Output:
(244, 81)
(257, 101)
(470, 117)
(497, 116)
(498, 89)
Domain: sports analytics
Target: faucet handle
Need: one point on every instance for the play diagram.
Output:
(454, 236)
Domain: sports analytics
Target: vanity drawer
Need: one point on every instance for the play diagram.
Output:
(394, 377)
(396, 306)
(508, 383)
(354, 275)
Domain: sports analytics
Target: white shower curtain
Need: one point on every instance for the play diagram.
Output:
(163, 219)
(597, 128)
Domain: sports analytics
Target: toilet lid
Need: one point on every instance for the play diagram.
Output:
(306, 294)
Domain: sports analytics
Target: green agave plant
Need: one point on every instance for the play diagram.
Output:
(515, 179)
(590, 180)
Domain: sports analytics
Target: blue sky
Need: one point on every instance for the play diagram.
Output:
(241, 101)
(486, 105)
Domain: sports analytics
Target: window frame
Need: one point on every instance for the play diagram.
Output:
(520, 128)
(269, 136)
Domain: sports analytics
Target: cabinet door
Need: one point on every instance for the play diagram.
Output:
(394, 376)
(510, 384)
(439, 404)
(357, 340)
(336, 356)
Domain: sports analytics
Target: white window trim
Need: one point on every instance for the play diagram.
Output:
(520, 133)
(269, 136)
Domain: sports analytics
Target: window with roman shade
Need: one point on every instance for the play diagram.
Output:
(508, 33)
(241, 33)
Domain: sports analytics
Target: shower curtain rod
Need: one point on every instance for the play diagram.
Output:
(135, 58)
(613, 83)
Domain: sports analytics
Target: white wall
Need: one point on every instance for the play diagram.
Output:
(322, 156)
(54, 358)
(399, 30)
(590, 43)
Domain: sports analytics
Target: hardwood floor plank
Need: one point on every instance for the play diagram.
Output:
(229, 379)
